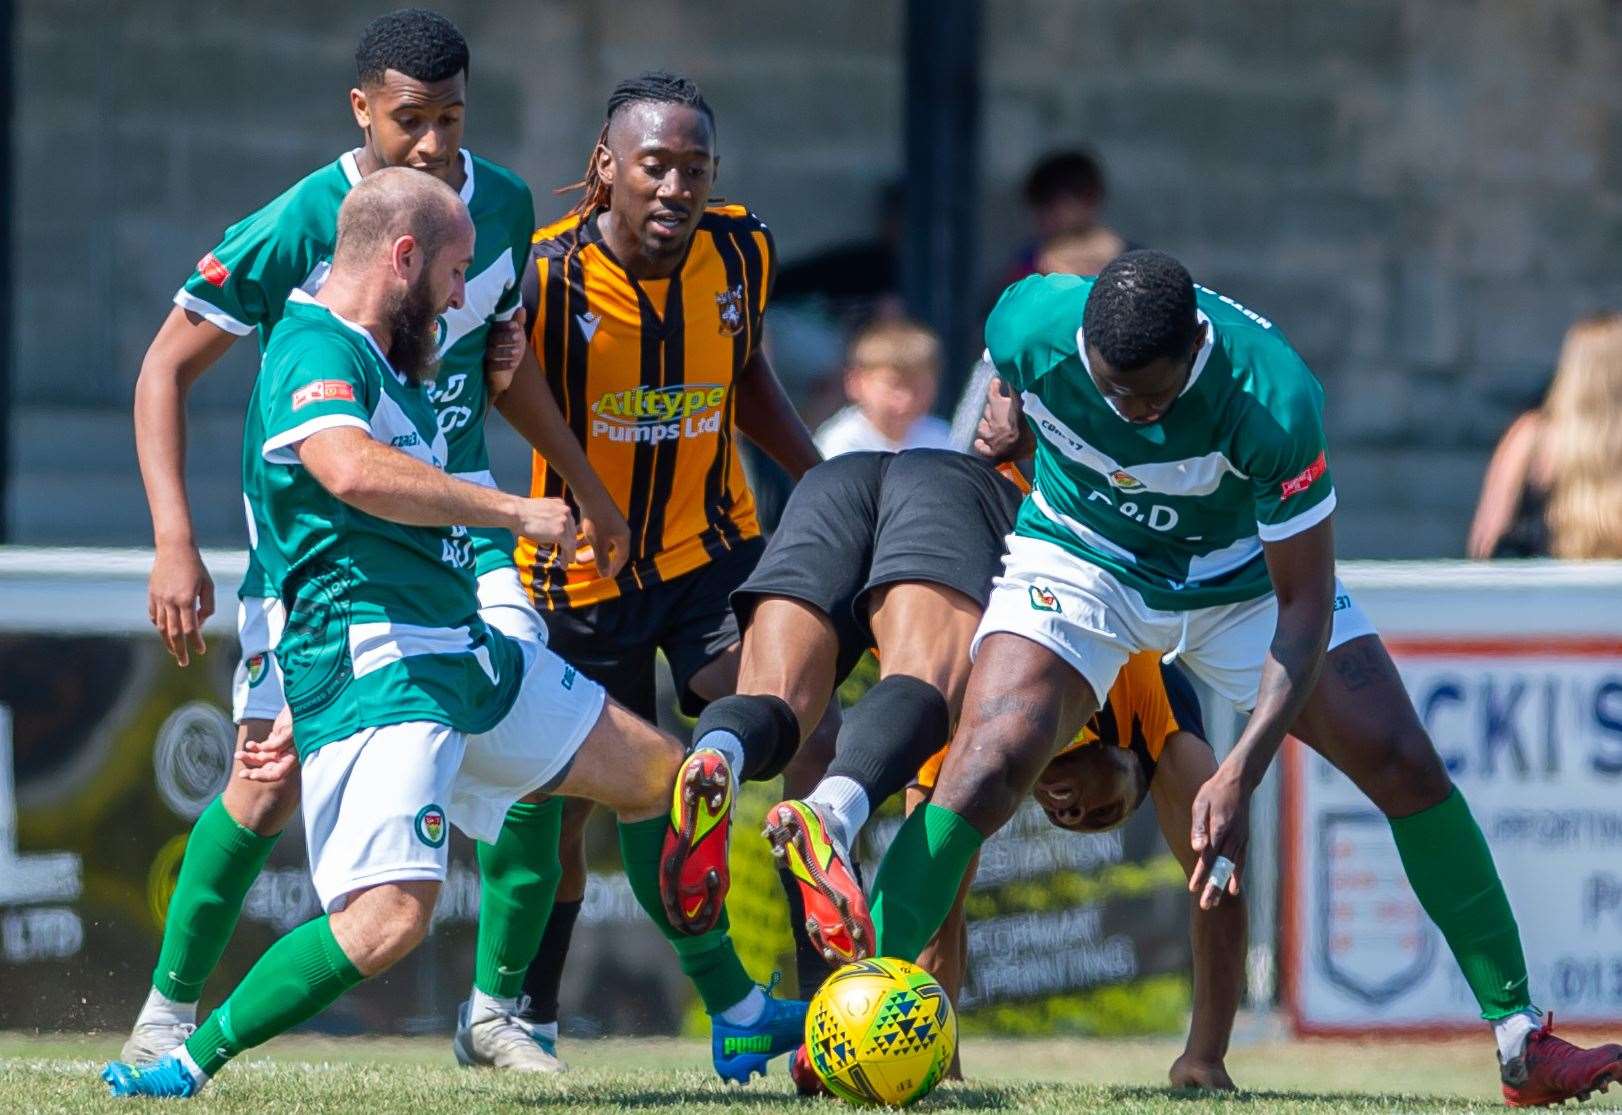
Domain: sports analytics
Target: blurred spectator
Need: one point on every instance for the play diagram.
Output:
(891, 378)
(1554, 485)
(1065, 193)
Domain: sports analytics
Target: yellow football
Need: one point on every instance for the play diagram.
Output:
(880, 1031)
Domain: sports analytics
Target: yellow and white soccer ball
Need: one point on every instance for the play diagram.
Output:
(880, 1031)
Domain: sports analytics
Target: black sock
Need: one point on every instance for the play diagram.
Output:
(545, 973)
(765, 725)
(889, 734)
(810, 968)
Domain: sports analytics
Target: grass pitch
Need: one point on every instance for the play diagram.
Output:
(314, 1075)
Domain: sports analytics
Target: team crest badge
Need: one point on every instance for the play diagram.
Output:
(1043, 599)
(431, 825)
(256, 669)
(1125, 481)
(730, 305)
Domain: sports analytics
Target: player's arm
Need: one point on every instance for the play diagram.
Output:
(1218, 936)
(383, 481)
(1003, 436)
(180, 593)
(768, 419)
(1302, 568)
(529, 407)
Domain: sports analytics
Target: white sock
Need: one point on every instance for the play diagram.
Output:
(746, 1010)
(730, 747)
(160, 1010)
(199, 1077)
(1512, 1033)
(481, 1006)
(843, 805)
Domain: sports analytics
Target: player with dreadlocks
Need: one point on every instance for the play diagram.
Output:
(646, 305)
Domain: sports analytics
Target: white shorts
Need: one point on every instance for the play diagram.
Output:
(1087, 617)
(256, 686)
(378, 804)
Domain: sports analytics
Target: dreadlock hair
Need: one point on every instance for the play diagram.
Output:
(1141, 308)
(654, 87)
(423, 45)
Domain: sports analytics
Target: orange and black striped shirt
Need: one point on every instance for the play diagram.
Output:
(643, 372)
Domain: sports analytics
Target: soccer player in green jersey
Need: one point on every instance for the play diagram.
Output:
(409, 711)
(1183, 504)
(410, 100)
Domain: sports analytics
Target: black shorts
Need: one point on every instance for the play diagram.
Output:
(863, 520)
(687, 617)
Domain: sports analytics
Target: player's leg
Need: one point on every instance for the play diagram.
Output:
(377, 859)
(1359, 717)
(544, 977)
(225, 852)
(1022, 700)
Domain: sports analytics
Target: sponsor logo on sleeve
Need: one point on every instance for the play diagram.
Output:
(323, 391)
(430, 825)
(213, 271)
(1295, 485)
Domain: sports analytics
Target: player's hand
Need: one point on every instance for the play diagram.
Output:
(179, 597)
(1189, 1072)
(607, 533)
(547, 521)
(1220, 829)
(272, 758)
(1002, 434)
(503, 352)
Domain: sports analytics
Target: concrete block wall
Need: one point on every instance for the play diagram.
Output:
(1422, 195)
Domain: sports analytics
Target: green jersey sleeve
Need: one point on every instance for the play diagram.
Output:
(312, 383)
(244, 281)
(1287, 459)
(1033, 327)
(519, 235)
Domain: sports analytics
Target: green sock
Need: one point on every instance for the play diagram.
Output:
(518, 876)
(1450, 868)
(221, 862)
(299, 976)
(710, 960)
(919, 879)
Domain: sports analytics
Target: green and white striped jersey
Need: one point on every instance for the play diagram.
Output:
(243, 285)
(1176, 509)
(382, 618)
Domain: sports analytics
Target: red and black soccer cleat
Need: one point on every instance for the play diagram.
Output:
(693, 872)
(836, 916)
(806, 1080)
(1551, 1070)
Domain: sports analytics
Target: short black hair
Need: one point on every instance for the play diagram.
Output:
(423, 45)
(1141, 309)
(658, 87)
(1074, 173)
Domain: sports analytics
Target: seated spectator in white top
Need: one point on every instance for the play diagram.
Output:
(891, 377)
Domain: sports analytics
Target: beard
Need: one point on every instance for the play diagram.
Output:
(414, 333)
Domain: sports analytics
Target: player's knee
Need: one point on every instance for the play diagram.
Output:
(1406, 775)
(264, 807)
(380, 927)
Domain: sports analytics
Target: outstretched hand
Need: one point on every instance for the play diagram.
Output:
(272, 758)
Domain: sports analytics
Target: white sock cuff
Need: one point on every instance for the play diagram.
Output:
(729, 745)
(843, 804)
(746, 1010)
(480, 1005)
(183, 1055)
(159, 1009)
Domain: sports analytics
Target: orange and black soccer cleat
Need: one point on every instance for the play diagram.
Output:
(836, 914)
(1551, 1070)
(693, 874)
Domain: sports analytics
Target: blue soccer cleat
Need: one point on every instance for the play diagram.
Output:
(742, 1051)
(165, 1079)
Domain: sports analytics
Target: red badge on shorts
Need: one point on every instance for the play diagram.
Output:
(323, 391)
(212, 270)
(1295, 485)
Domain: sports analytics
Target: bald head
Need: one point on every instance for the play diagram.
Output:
(392, 203)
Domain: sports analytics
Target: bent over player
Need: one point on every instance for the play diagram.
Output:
(409, 711)
(898, 552)
(1183, 505)
(410, 102)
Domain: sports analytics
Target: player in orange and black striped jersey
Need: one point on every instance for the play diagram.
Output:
(646, 306)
